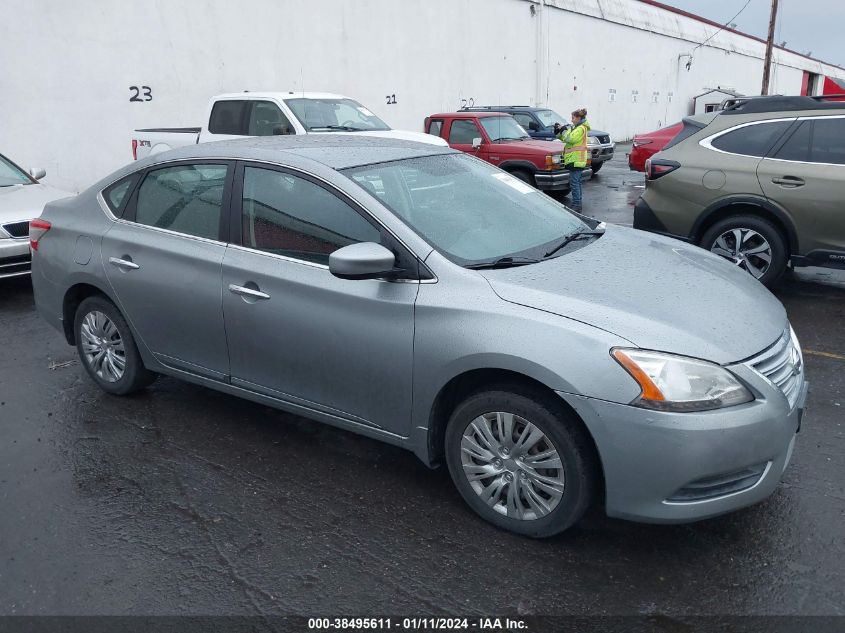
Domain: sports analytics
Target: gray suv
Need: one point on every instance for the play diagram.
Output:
(422, 297)
(760, 185)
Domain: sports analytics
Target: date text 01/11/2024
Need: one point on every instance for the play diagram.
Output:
(416, 624)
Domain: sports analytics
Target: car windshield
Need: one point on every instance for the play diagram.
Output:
(503, 128)
(10, 174)
(331, 115)
(550, 117)
(468, 210)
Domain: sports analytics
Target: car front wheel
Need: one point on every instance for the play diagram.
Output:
(521, 461)
(107, 349)
(750, 242)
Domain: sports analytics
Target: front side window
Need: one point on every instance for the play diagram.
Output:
(463, 131)
(331, 115)
(503, 128)
(227, 117)
(185, 198)
(10, 174)
(751, 140)
(550, 117)
(467, 209)
(291, 216)
(829, 141)
(266, 119)
(523, 119)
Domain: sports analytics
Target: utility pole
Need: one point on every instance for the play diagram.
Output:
(767, 64)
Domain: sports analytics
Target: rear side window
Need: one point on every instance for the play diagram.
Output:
(797, 146)
(227, 117)
(116, 195)
(829, 141)
(751, 140)
(462, 132)
(185, 198)
(435, 127)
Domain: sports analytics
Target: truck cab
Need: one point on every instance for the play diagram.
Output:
(245, 114)
(498, 139)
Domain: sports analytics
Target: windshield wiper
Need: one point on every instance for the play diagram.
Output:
(571, 238)
(503, 262)
(345, 128)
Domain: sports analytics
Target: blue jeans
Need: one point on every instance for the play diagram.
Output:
(575, 174)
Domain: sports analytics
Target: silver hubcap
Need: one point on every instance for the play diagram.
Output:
(103, 347)
(746, 248)
(512, 465)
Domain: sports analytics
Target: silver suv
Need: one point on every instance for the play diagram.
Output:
(422, 297)
(760, 185)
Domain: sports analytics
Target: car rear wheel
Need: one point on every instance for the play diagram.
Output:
(520, 461)
(752, 243)
(107, 349)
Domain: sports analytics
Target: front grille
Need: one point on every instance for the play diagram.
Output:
(17, 229)
(720, 485)
(603, 139)
(13, 266)
(781, 365)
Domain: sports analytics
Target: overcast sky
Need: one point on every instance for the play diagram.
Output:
(806, 25)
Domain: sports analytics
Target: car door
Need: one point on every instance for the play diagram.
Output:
(295, 331)
(805, 174)
(163, 259)
(462, 133)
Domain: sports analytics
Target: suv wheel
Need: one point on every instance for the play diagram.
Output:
(107, 349)
(752, 243)
(596, 167)
(520, 461)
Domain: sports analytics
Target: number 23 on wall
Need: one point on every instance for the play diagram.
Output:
(146, 92)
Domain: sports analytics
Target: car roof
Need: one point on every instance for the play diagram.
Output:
(337, 151)
(467, 114)
(281, 94)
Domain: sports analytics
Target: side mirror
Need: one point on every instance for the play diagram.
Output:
(281, 130)
(476, 142)
(532, 126)
(37, 173)
(365, 260)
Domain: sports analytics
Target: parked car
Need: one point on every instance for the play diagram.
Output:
(498, 139)
(420, 296)
(242, 114)
(540, 124)
(22, 198)
(644, 146)
(761, 185)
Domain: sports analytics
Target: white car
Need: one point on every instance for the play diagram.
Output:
(244, 114)
(22, 198)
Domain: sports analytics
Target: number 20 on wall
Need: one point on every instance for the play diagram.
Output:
(144, 94)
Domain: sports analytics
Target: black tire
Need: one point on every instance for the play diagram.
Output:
(596, 167)
(767, 230)
(135, 376)
(560, 194)
(566, 435)
(524, 176)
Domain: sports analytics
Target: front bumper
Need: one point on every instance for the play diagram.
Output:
(655, 463)
(601, 153)
(552, 180)
(15, 259)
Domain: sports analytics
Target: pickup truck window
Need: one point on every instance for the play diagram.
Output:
(463, 131)
(10, 174)
(227, 117)
(435, 127)
(266, 119)
(503, 128)
(184, 198)
(331, 115)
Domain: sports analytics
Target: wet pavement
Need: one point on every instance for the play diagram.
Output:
(183, 500)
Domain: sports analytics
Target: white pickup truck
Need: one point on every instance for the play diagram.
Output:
(242, 114)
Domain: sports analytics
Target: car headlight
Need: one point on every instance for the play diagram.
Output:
(552, 160)
(799, 361)
(593, 140)
(677, 383)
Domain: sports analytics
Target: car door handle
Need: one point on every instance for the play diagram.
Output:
(789, 181)
(252, 293)
(125, 264)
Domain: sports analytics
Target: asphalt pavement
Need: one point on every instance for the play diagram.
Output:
(182, 500)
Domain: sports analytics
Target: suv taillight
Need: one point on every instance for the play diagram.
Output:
(654, 169)
(37, 229)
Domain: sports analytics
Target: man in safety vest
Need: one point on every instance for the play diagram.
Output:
(575, 152)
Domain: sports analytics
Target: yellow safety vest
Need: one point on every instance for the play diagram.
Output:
(575, 150)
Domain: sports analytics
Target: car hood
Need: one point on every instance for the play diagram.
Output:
(534, 146)
(405, 135)
(656, 292)
(24, 202)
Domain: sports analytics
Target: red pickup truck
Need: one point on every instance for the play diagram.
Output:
(500, 140)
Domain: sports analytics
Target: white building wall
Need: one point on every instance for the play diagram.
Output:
(68, 66)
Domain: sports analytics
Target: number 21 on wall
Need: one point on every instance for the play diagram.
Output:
(146, 92)
(391, 99)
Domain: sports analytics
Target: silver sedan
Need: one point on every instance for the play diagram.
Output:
(419, 296)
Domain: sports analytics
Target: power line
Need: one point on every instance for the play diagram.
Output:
(722, 28)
